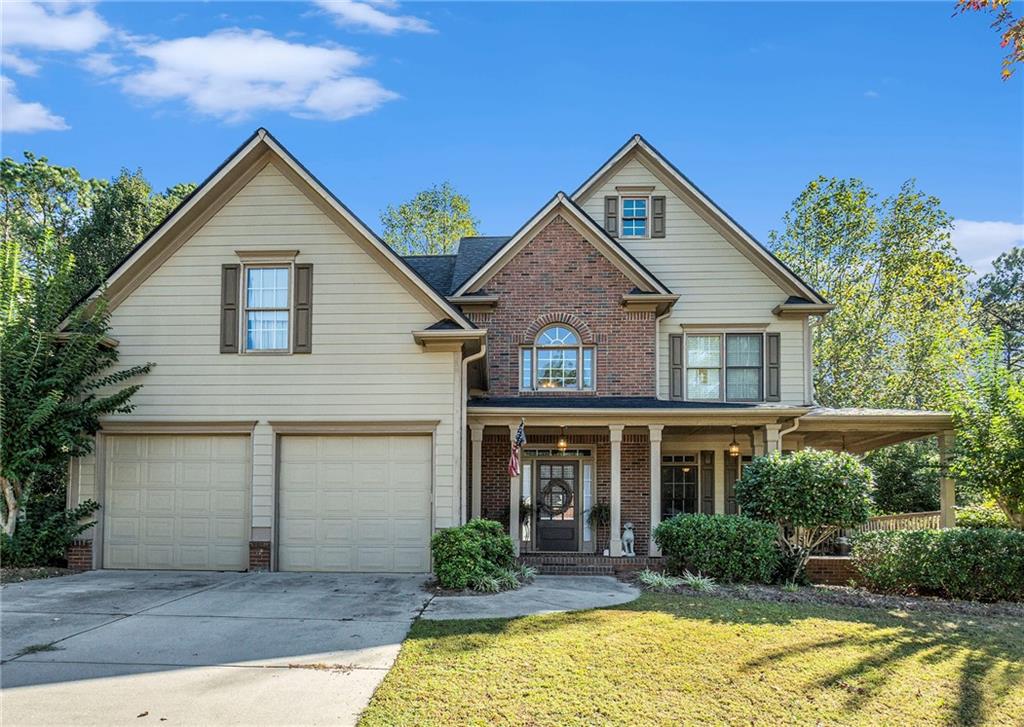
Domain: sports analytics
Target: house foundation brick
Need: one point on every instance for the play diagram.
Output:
(79, 555)
(259, 555)
(831, 570)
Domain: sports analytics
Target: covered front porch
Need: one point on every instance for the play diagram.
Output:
(593, 484)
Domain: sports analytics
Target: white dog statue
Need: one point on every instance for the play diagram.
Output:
(628, 539)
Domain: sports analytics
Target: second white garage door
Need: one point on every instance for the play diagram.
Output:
(355, 503)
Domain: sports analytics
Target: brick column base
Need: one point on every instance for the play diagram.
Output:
(259, 555)
(79, 555)
(831, 570)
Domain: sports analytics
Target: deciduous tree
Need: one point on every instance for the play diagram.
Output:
(1001, 295)
(431, 223)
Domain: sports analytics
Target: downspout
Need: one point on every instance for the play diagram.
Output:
(462, 437)
(657, 351)
(790, 430)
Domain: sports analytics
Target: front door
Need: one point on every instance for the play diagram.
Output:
(557, 510)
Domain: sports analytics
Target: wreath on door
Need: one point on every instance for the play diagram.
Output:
(555, 497)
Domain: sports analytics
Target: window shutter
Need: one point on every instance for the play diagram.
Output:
(303, 341)
(229, 291)
(675, 366)
(611, 215)
(773, 393)
(732, 473)
(707, 482)
(657, 216)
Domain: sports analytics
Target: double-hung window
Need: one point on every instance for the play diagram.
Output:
(634, 216)
(267, 308)
(557, 360)
(725, 366)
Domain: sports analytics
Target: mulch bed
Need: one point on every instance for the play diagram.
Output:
(18, 575)
(856, 597)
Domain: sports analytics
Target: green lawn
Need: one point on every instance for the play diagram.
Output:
(667, 659)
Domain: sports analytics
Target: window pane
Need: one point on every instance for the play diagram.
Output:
(678, 490)
(703, 383)
(266, 331)
(266, 287)
(556, 369)
(588, 500)
(526, 369)
(703, 351)
(588, 368)
(743, 384)
(557, 336)
(743, 349)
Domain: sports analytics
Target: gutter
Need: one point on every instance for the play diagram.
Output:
(463, 505)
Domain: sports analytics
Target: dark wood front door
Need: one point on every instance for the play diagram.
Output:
(557, 510)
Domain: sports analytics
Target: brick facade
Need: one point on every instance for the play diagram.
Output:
(259, 555)
(831, 570)
(559, 277)
(635, 468)
(79, 555)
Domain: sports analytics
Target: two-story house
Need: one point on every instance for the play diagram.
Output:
(321, 403)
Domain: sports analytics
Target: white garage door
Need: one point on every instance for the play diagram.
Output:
(176, 502)
(355, 503)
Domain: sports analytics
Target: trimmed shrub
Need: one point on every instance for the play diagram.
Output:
(45, 543)
(472, 555)
(729, 548)
(983, 564)
(982, 516)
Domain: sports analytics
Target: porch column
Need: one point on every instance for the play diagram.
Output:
(758, 437)
(514, 494)
(947, 487)
(655, 436)
(772, 440)
(720, 480)
(476, 435)
(615, 436)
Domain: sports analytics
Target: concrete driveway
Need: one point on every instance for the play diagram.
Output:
(190, 648)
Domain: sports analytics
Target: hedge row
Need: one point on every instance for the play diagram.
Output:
(730, 548)
(983, 564)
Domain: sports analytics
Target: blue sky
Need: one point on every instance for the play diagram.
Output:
(512, 102)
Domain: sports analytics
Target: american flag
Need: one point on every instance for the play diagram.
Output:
(517, 444)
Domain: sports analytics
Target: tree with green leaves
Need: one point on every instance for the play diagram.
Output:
(1001, 296)
(431, 223)
(989, 418)
(906, 477)
(902, 326)
(57, 382)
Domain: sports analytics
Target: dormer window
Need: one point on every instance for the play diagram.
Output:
(634, 216)
(557, 361)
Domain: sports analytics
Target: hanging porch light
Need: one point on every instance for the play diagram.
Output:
(563, 443)
(734, 446)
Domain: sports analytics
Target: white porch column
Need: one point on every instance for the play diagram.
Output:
(515, 492)
(615, 544)
(758, 437)
(772, 440)
(947, 487)
(476, 436)
(720, 456)
(655, 436)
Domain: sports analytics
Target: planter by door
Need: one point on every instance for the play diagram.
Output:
(558, 514)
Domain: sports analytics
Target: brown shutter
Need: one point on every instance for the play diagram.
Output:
(657, 216)
(773, 392)
(675, 366)
(707, 482)
(303, 342)
(611, 215)
(732, 471)
(229, 291)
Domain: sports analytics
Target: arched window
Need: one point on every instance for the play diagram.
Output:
(557, 360)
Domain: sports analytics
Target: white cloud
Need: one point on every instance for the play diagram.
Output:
(26, 116)
(871, 94)
(52, 27)
(369, 16)
(231, 74)
(12, 61)
(101, 64)
(979, 243)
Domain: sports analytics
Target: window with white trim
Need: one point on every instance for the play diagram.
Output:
(725, 366)
(634, 216)
(557, 360)
(267, 314)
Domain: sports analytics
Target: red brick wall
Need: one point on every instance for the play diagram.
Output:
(560, 277)
(833, 570)
(79, 555)
(636, 483)
(259, 555)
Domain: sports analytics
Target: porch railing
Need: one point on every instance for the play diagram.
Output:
(902, 521)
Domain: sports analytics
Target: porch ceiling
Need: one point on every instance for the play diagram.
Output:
(863, 430)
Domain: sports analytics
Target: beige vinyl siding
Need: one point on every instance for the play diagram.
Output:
(364, 365)
(715, 282)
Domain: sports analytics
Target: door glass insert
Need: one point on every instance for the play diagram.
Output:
(679, 478)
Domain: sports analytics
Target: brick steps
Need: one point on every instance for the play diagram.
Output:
(582, 564)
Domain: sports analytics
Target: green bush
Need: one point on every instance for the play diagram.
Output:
(730, 548)
(983, 564)
(46, 542)
(471, 555)
(982, 516)
(906, 477)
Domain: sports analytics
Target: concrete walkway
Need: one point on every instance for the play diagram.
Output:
(547, 594)
(145, 647)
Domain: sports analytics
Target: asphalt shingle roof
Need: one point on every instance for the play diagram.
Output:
(446, 273)
(601, 402)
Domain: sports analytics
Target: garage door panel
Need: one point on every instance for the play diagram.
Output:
(177, 502)
(365, 488)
